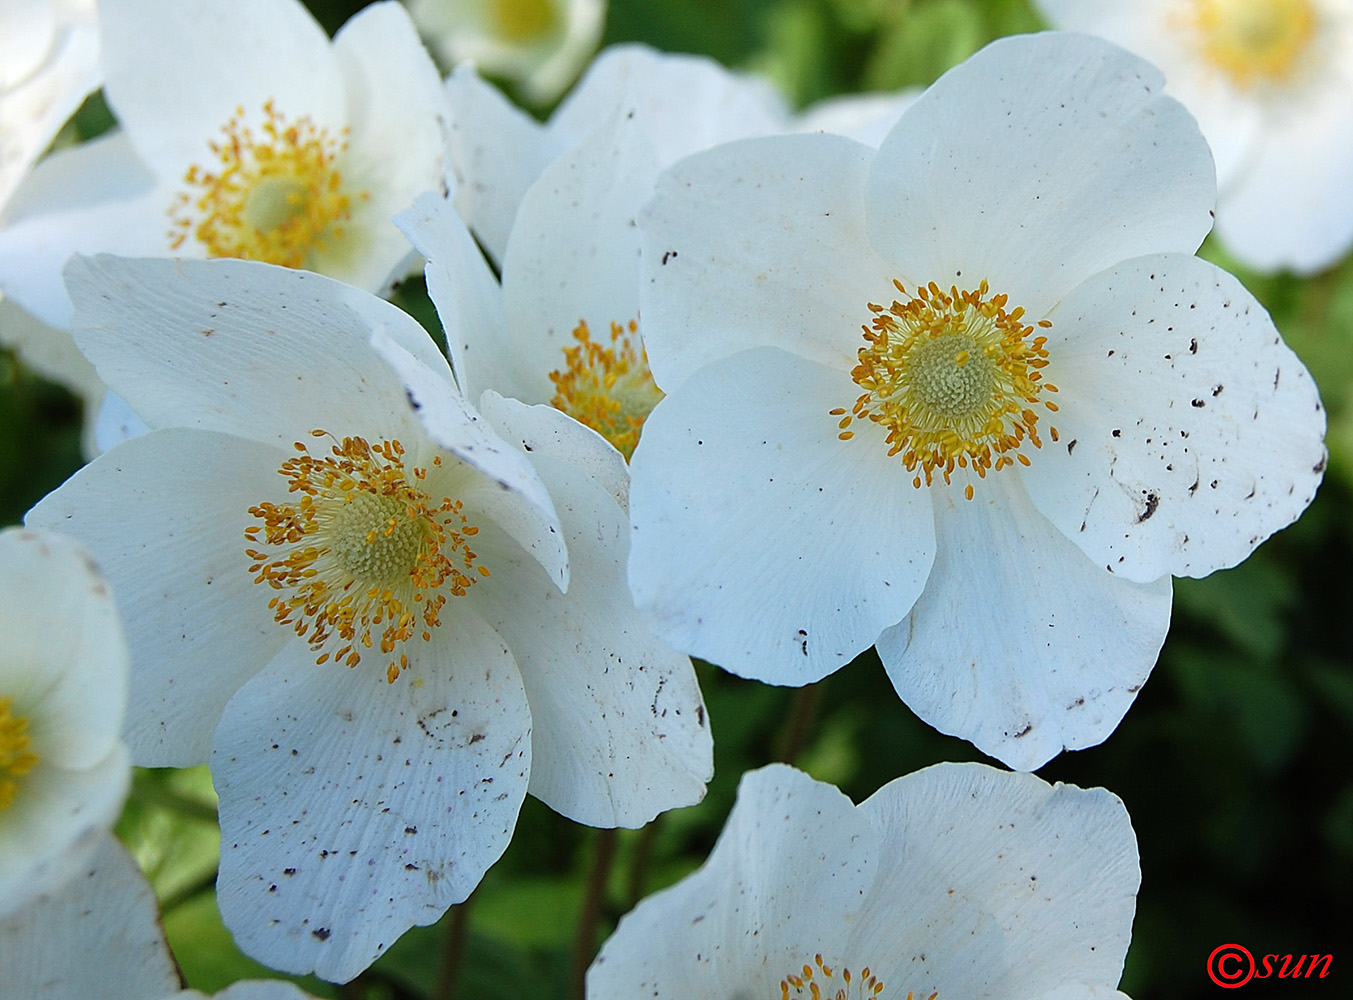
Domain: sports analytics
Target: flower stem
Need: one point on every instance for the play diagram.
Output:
(803, 709)
(585, 944)
(453, 949)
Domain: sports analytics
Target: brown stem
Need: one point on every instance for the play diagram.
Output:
(453, 950)
(643, 854)
(585, 944)
(794, 737)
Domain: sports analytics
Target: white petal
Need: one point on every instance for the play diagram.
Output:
(1019, 643)
(262, 989)
(238, 346)
(759, 243)
(395, 103)
(99, 936)
(49, 63)
(782, 884)
(352, 809)
(573, 254)
(1230, 120)
(1189, 431)
(1292, 205)
(496, 152)
(619, 732)
(165, 516)
(1008, 886)
(687, 103)
(51, 827)
(761, 541)
(469, 302)
(542, 428)
(114, 423)
(509, 489)
(177, 70)
(1037, 162)
(866, 118)
(64, 661)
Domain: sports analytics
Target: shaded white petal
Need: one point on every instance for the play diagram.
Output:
(114, 423)
(469, 302)
(52, 825)
(542, 428)
(261, 989)
(783, 883)
(165, 515)
(99, 936)
(619, 731)
(1292, 205)
(396, 116)
(1008, 887)
(352, 809)
(1019, 643)
(686, 102)
(866, 118)
(761, 541)
(509, 489)
(1189, 431)
(177, 70)
(63, 661)
(573, 254)
(759, 243)
(496, 152)
(49, 63)
(1040, 160)
(238, 346)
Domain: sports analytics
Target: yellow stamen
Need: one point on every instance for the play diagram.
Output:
(1254, 42)
(276, 197)
(610, 389)
(521, 22)
(951, 376)
(820, 981)
(366, 552)
(16, 759)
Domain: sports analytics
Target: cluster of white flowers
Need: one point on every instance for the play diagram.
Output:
(937, 374)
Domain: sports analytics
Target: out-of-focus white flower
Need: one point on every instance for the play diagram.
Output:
(99, 935)
(1054, 405)
(63, 685)
(49, 63)
(956, 881)
(366, 604)
(539, 44)
(244, 132)
(1271, 84)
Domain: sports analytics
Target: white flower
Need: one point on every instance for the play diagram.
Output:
(383, 674)
(956, 881)
(63, 680)
(1271, 83)
(49, 63)
(540, 44)
(565, 329)
(246, 133)
(99, 935)
(1055, 408)
(685, 103)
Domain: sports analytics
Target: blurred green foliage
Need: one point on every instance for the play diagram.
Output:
(1234, 763)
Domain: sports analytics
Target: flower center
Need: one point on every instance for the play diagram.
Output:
(610, 389)
(524, 21)
(276, 196)
(366, 553)
(16, 760)
(1254, 41)
(951, 376)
